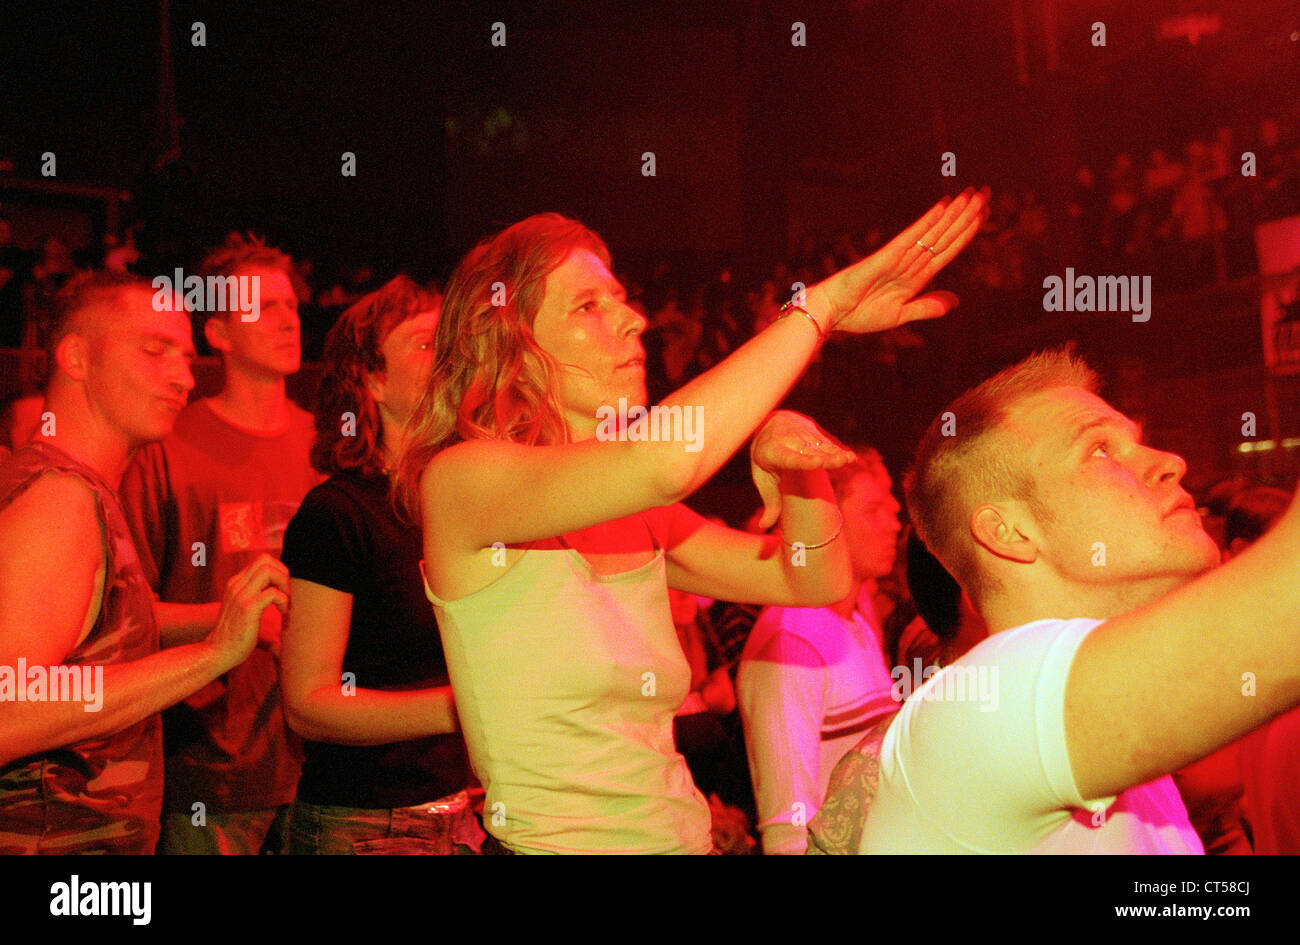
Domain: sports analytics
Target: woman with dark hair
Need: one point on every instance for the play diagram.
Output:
(364, 677)
(550, 499)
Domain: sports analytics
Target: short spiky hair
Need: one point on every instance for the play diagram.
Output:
(241, 251)
(85, 289)
(965, 460)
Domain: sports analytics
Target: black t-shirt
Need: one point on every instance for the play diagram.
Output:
(346, 536)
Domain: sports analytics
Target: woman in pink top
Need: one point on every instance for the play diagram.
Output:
(551, 507)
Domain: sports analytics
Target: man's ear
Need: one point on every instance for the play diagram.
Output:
(217, 333)
(72, 355)
(998, 531)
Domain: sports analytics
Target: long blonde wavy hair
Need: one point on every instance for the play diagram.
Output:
(490, 377)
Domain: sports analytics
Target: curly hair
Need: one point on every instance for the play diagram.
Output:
(353, 349)
(490, 378)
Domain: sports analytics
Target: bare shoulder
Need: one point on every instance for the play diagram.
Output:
(475, 454)
(56, 504)
(444, 475)
(470, 468)
(53, 527)
(51, 538)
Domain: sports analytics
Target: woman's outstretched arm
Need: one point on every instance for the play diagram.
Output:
(480, 492)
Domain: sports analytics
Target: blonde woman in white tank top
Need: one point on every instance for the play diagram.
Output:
(550, 538)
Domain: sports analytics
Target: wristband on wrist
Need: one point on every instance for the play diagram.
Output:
(822, 544)
(791, 307)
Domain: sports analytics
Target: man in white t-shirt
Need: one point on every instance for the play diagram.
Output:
(812, 680)
(1115, 656)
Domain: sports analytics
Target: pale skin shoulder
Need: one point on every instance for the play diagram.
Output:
(47, 531)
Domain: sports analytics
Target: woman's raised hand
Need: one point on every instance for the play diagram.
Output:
(880, 292)
(790, 441)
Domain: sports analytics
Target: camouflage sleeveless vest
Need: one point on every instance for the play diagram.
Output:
(102, 795)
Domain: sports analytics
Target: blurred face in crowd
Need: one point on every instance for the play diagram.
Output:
(585, 323)
(134, 363)
(268, 347)
(408, 359)
(871, 523)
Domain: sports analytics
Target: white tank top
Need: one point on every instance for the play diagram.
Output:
(566, 683)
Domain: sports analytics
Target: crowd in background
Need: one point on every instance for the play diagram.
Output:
(1184, 214)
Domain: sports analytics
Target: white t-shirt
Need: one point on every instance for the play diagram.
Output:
(810, 685)
(977, 762)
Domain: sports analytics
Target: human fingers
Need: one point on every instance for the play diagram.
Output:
(905, 243)
(958, 234)
(770, 494)
(931, 305)
(805, 452)
(919, 262)
(270, 597)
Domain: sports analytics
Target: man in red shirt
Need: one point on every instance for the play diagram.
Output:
(211, 497)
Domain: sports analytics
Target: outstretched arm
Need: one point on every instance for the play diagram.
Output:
(474, 492)
(1156, 689)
